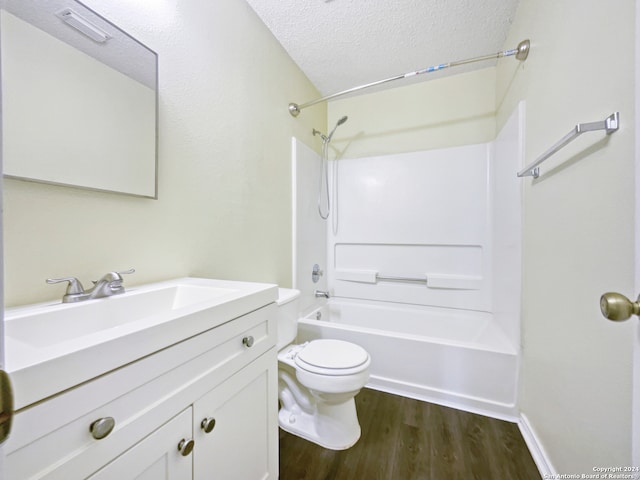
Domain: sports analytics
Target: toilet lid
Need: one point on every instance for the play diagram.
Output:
(332, 354)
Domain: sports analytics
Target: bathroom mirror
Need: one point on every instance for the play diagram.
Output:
(79, 99)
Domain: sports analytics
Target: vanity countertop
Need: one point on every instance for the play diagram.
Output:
(51, 347)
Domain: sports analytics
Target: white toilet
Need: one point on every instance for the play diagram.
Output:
(317, 382)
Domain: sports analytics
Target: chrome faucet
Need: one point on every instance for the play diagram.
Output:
(109, 284)
(321, 293)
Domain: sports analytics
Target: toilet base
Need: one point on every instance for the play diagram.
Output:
(334, 427)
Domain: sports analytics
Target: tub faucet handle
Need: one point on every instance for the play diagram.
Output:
(316, 273)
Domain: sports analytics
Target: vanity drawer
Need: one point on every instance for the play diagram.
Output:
(53, 440)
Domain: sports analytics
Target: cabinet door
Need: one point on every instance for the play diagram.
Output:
(157, 456)
(242, 438)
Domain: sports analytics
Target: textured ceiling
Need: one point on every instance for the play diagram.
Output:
(340, 44)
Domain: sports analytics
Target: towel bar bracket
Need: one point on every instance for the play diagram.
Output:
(612, 123)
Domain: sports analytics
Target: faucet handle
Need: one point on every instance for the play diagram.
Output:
(113, 276)
(115, 280)
(74, 286)
(117, 276)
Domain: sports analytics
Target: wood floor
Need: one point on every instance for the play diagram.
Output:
(405, 439)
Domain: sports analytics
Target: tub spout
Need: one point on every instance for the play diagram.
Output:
(321, 293)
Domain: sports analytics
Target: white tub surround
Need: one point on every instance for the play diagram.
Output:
(424, 268)
(309, 230)
(412, 228)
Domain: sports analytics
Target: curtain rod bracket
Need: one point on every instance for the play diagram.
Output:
(523, 50)
(294, 109)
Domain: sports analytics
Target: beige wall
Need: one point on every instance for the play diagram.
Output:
(444, 112)
(224, 205)
(578, 227)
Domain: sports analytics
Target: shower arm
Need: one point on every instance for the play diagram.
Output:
(521, 52)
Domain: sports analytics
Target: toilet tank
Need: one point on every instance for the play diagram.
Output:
(287, 315)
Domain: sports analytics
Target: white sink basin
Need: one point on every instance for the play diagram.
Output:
(54, 346)
(44, 326)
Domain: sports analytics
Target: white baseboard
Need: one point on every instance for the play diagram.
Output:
(535, 447)
(470, 404)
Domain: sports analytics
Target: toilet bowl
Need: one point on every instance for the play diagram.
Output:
(317, 382)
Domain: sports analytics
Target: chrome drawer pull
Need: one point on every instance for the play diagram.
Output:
(248, 341)
(208, 424)
(102, 427)
(185, 447)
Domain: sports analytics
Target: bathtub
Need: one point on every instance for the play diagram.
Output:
(451, 357)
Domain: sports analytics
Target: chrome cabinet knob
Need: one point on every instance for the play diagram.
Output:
(248, 341)
(617, 307)
(185, 447)
(208, 424)
(102, 427)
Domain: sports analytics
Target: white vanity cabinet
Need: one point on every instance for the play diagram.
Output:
(226, 375)
(236, 436)
(154, 457)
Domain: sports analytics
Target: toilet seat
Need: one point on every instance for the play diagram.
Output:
(332, 357)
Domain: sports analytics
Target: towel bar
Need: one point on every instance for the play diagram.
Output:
(610, 124)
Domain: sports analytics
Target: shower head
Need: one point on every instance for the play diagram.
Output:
(340, 122)
(325, 138)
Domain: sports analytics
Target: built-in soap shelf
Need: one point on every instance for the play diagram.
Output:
(431, 280)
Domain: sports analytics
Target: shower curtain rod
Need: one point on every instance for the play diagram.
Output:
(521, 52)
